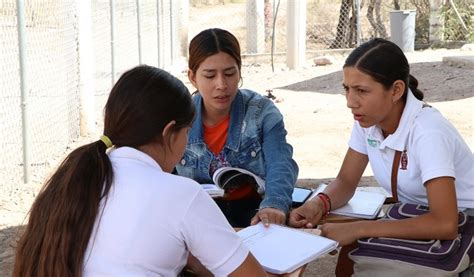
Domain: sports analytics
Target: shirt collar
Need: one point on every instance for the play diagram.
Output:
(237, 114)
(397, 140)
(126, 152)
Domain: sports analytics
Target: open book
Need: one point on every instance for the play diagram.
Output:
(363, 204)
(227, 178)
(282, 249)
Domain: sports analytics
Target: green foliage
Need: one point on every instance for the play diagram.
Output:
(453, 29)
(422, 25)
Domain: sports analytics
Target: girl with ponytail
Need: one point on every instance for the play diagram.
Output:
(435, 168)
(113, 207)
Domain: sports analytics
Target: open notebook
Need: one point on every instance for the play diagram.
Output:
(282, 249)
(363, 204)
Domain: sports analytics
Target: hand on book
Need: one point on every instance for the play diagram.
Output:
(308, 215)
(269, 215)
(281, 249)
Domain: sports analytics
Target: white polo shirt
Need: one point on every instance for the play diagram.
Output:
(434, 149)
(153, 219)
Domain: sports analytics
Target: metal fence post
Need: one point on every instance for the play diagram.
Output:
(171, 34)
(20, 9)
(255, 22)
(112, 39)
(139, 32)
(296, 34)
(358, 34)
(183, 28)
(158, 32)
(86, 68)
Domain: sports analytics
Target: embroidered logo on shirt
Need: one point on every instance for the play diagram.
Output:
(372, 142)
(404, 160)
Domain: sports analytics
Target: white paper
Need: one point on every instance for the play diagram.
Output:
(281, 249)
(365, 203)
(213, 190)
(222, 170)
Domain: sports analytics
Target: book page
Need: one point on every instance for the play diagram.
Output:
(218, 173)
(365, 203)
(213, 190)
(282, 249)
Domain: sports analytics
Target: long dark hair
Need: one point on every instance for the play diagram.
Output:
(62, 217)
(385, 62)
(210, 42)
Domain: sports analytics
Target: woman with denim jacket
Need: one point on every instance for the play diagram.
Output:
(239, 128)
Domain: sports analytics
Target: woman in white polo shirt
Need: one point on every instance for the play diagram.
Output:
(436, 167)
(120, 212)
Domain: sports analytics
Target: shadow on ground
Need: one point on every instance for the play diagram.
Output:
(457, 82)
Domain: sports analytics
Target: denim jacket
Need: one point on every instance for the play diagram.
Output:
(256, 141)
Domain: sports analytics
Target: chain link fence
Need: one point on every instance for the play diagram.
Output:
(239, 17)
(45, 120)
(40, 124)
(336, 24)
(10, 113)
(458, 19)
(50, 87)
(343, 24)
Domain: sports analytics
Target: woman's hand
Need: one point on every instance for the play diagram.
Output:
(269, 215)
(344, 233)
(308, 215)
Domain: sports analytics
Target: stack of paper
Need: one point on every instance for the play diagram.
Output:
(213, 190)
(363, 204)
(281, 249)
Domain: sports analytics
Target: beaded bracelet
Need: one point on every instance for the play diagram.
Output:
(326, 200)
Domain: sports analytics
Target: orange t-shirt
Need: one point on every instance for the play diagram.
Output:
(216, 136)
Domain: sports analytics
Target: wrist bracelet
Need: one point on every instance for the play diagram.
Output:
(325, 204)
(324, 196)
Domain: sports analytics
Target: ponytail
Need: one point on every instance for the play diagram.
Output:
(63, 215)
(413, 85)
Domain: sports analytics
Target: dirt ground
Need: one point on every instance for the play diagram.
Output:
(318, 125)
